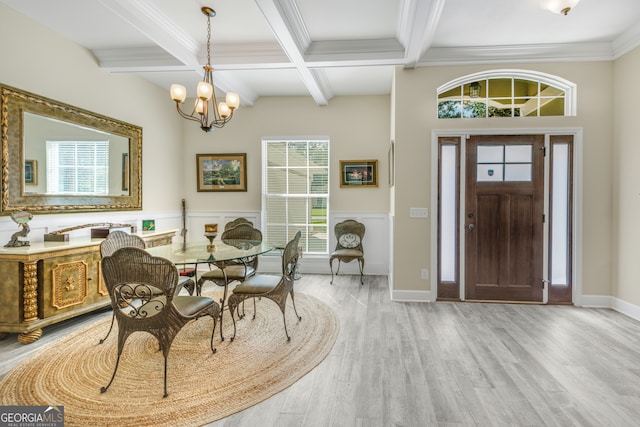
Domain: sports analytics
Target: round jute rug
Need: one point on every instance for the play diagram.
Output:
(202, 386)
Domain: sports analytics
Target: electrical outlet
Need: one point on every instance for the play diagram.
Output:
(424, 274)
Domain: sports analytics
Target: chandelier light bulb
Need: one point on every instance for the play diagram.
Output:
(178, 93)
(200, 106)
(233, 100)
(204, 90)
(224, 110)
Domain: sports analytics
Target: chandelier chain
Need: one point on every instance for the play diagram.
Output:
(208, 40)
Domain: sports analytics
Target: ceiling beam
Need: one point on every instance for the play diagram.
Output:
(418, 23)
(161, 30)
(284, 19)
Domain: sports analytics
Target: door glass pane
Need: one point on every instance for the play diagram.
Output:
(517, 172)
(517, 153)
(448, 205)
(560, 215)
(490, 154)
(490, 172)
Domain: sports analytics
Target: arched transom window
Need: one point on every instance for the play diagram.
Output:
(506, 93)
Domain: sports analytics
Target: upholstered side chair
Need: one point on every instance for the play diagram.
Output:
(275, 288)
(142, 291)
(349, 235)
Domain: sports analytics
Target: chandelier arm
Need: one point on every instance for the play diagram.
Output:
(219, 123)
(185, 115)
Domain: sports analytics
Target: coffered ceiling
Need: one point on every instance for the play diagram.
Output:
(327, 48)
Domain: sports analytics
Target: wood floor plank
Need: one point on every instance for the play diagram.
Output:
(444, 364)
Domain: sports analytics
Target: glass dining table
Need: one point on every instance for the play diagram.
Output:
(220, 253)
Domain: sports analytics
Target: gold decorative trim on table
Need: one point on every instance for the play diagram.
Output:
(69, 284)
(102, 287)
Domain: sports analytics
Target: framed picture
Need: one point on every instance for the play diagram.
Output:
(222, 172)
(125, 171)
(358, 173)
(148, 224)
(31, 172)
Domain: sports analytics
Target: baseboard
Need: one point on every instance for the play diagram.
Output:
(411, 296)
(626, 308)
(594, 301)
(272, 263)
(603, 301)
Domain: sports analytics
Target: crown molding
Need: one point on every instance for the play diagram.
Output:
(628, 41)
(602, 51)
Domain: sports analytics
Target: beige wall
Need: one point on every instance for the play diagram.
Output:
(357, 127)
(39, 61)
(415, 120)
(626, 179)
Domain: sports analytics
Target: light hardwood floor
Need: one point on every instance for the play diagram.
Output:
(446, 364)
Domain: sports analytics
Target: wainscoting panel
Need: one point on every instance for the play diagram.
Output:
(376, 241)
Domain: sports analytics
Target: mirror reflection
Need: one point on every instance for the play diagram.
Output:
(63, 158)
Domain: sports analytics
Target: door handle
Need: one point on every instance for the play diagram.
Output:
(470, 227)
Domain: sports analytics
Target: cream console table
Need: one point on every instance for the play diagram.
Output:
(49, 282)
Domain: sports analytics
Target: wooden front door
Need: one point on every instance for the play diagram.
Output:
(504, 217)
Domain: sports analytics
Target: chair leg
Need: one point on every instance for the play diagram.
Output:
(331, 266)
(113, 318)
(293, 301)
(233, 319)
(213, 332)
(284, 319)
(104, 389)
(361, 263)
(165, 374)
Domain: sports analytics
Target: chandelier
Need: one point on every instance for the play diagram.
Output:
(206, 110)
(562, 7)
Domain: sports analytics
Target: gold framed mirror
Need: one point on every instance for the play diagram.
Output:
(59, 158)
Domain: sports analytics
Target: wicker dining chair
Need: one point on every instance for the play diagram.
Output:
(142, 290)
(275, 288)
(236, 270)
(349, 235)
(119, 239)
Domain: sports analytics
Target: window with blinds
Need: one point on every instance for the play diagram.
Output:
(295, 192)
(78, 167)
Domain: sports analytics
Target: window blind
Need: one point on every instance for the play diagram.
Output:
(78, 167)
(296, 192)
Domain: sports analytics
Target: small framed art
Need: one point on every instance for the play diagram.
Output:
(358, 173)
(31, 172)
(222, 172)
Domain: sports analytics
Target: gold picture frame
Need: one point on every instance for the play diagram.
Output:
(358, 173)
(222, 172)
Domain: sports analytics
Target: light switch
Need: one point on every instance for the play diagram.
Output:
(418, 212)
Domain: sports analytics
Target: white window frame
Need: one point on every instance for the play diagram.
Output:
(569, 88)
(53, 167)
(307, 226)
